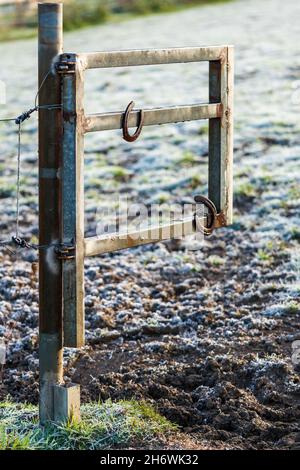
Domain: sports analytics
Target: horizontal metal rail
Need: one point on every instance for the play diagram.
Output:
(94, 246)
(156, 116)
(137, 57)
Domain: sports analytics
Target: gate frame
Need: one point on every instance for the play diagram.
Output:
(61, 182)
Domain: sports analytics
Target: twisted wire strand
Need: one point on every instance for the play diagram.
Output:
(16, 240)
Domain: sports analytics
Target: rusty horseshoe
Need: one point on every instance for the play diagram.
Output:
(212, 215)
(126, 136)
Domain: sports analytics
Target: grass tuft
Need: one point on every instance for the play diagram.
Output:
(103, 426)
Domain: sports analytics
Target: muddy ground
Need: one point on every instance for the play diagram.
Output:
(205, 334)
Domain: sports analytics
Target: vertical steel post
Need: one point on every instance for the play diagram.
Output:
(214, 141)
(227, 86)
(50, 273)
(73, 199)
(221, 135)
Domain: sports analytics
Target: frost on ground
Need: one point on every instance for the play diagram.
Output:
(204, 335)
(102, 426)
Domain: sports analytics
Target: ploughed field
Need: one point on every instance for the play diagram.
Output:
(204, 334)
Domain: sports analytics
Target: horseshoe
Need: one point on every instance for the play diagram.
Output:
(212, 212)
(126, 136)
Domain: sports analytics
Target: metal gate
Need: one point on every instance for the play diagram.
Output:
(62, 165)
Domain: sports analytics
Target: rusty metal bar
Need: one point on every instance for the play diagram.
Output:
(130, 58)
(171, 114)
(73, 206)
(50, 276)
(120, 241)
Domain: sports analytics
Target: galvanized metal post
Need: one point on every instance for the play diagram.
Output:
(214, 141)
(50, 273)
(72, 232)
(221, 134)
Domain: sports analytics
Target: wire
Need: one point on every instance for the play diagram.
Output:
(16, 240)
(18, 180)
(40, 88)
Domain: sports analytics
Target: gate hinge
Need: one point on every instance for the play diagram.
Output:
(65, 66)
(65, 252)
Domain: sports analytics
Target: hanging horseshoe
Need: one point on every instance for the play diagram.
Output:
(212, 216)
(126, 136)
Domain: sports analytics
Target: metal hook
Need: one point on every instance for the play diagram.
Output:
(212, 215)
(126, 135)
